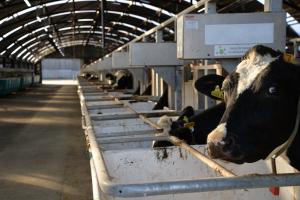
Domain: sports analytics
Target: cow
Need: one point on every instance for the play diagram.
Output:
(90, 77)
(147, 91)
(121, 79)
(162, 102)
(204, 122)
(261, 97)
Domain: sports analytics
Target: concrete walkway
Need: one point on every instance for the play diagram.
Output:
(42, 147)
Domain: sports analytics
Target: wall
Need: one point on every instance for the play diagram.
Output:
(54, 68)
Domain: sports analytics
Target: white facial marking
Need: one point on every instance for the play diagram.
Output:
(119, 74)
(249, 68)
(165, 122)
(218, 134)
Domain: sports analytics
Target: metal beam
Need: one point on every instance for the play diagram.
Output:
(103, 7)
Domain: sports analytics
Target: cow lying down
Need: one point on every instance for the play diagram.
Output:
(260, 115)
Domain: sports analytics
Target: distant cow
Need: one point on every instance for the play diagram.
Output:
(261, 98)
(162, 102)
(121, 79)
(89, 76)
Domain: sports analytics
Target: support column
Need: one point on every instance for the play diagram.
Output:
(159, 36)
(273, 6)
(171, 97)
(162, 89)
(199, 98)
(157, 85)
(153, 82)
(178, 88)
(210, 7)
(295, 45)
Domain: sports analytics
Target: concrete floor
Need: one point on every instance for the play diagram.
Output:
(42, 147)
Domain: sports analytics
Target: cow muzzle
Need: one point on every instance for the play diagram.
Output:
(222, 146)
(225, 151)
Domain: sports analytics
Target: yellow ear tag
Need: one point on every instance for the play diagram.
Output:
(217, 92)
(189, 125)
(185, 119)
(288, 57)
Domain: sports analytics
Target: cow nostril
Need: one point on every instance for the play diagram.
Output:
(229, 141)
(213, 150)
(228, 144)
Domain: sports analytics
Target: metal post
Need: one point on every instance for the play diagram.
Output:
(178, 88)
(175, 31)
(171, 97)
(153, 82)
(199, 98)
(295, 45)
(210, 7)
(208, 102)
(102, 23)
(162, 89)
(157, 85)
(273, 6)
(159, 36)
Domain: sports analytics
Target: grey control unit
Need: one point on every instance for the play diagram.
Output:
(209, 36)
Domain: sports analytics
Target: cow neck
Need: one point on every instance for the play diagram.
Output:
(280, 149)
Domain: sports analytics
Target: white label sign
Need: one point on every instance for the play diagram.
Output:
(239, 33)
(231, 50)
(191, 24)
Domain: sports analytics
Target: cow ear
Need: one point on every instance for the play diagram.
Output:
(210, 86)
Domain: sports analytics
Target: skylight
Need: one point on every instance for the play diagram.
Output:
(291, 21)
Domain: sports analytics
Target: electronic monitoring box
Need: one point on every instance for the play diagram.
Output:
(209, 36)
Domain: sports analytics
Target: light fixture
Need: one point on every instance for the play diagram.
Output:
(27, 3)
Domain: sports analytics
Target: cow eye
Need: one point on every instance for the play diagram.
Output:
(273, 90)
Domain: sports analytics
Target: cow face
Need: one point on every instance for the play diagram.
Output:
(261, 98)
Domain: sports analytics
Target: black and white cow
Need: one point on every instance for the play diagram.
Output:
(204, 123)
(121, 79)
(90, 77)
(162, 102)
(261, 98)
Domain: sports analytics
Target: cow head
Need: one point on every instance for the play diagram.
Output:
(261, 98)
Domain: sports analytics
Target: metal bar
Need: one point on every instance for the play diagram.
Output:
(103, 106)
(160, 188)
(95, 184)
(202, 185)
(108, 135)
(114, 116)
(102, 23)
(212, 164)
(132, 138)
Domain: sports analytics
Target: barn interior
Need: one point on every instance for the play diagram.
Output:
(84, 85)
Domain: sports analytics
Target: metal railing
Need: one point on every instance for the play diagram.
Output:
(229, 182)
